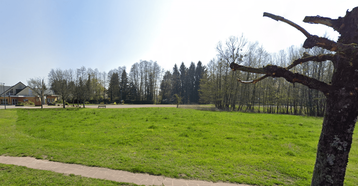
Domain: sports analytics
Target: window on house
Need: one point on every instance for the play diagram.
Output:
(3, 101)
(50, 100)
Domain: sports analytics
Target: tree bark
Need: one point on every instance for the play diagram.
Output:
(341, 108)
(336, 139)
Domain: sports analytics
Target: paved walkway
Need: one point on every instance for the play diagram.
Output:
(104, 173)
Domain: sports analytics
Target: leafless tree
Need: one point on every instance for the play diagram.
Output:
(60, 82)
(39, 86)
(341, 94)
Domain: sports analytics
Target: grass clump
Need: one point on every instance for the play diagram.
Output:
(258, 149)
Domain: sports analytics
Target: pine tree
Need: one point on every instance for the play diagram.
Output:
(175, 82)
(166, 87)
(183, 87)
(190, 83)
(124, 85)
(198, 75)
(113, 90)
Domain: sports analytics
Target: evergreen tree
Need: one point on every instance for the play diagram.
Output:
(198, 75)
(113, 89)
(190, 83)
(175, 82)
(133, 92)
(182, 87)
(166, 87)
(124, 85)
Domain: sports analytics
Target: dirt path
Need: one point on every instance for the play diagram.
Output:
(104, 173)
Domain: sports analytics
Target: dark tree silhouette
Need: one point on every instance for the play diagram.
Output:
(342, 94)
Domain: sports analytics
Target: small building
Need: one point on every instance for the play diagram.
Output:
(20, 93)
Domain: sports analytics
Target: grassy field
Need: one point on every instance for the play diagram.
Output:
(260, 149)
(18, 175)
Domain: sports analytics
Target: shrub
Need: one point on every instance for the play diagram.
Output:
(20, 104)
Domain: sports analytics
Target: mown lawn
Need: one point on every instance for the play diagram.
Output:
(260, 149)
(19, 175)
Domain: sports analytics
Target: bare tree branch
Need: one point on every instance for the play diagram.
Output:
(307, 58)
(313, 40)
(276, 71)
(235, 66)
(231, 53)
(279, 18)
(253, 81)
(328, 44)
(334, 23)
(312, 83)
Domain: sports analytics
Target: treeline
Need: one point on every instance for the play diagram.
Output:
(86, 85)
(183, 82)
(214, 83)
(220, 86)
(144, 83)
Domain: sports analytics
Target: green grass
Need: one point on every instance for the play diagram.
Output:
(18, 175)
(260, 149)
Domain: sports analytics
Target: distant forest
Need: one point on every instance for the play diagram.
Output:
(215, 83)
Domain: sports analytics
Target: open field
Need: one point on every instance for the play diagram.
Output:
(261, 149)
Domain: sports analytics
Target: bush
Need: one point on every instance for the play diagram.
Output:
(20, 104)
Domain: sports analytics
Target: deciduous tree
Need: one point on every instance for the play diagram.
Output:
(39, 86)
(341, 94)
(60, 83)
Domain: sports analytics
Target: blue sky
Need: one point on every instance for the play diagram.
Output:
(39, 35)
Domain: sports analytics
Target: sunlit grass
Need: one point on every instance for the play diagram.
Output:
(261, 149)
(18, 175)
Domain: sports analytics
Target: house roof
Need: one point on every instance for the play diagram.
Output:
(3, 89)
(21, 92)
(7, 90)
(49, 92)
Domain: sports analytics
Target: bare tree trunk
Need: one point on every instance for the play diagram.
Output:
(335, 140)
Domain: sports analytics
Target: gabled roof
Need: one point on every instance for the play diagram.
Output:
(49, 92)
(7, 90)
(22, 91)
(3, 89)
(26, 88)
